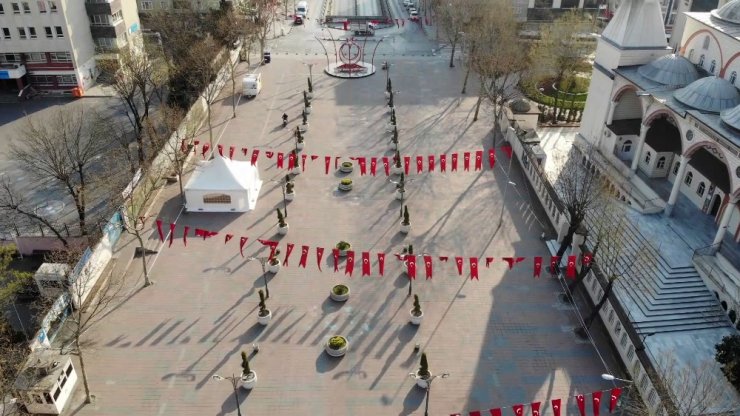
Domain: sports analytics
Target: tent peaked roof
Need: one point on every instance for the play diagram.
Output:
(637, 24)
(221, 174)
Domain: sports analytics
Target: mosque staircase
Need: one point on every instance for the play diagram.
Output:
(659, 297)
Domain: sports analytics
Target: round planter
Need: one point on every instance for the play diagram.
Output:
(423, 382)
(387, 95)
(249, 380)
(290, 196)
(343, 187)
(264, 320)
(400, 195)
(396, 170)
(416, 320)
(393, 146)
(336, 353)
(339, 298)
(346, 169)
(296, 171)
(309, 95)
(283, 230)
(304, 127)
(308, 109)
(300, 145)
(405, 228)
(273, 268)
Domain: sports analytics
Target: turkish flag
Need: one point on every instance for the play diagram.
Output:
(280, 157)
(554, 261)
(303, 162)
(556, 407)
(291, 161)
(518, 409)
(228, 237)
(245, 151)
(200, 233)
(363, 165)
(581, 402)
(196, 142)
(430, 158)
(365, 263)
(327, 164)
(210, 234)
(596, 401)
(373, 165)
(411, 266)
(406, 164)
(159, 230)
(466, 161)
(535, 408)
(615, 393)
(443, 163)
(474, 268)
(203, 152)
(232, 149)
(336, 162)
(513, 260)
(304, 256)
(272, 244)
(319, 256)
(220, 150)
(474, 413)
(537, 266)
(242, 242)
(586, 259)
(185, 235)
(386, 166)
(172, 233)
(381, 263)
(507, 149)
(443, 258)
(314, 157)
(269, 154)
(454, 163)
(495, 412)
(459, 261)
(419, 164)
(489, 260)
(255, 155)
(570, 271)
(491, 158)
(478, 159)
(428, 266)
(335, 253)
(350, 266)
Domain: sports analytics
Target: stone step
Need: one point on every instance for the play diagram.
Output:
(659, 328)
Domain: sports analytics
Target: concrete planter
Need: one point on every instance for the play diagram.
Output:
(405, 228)
(393, 146)
(304, 127)
(249, 380)
(290, 196)
(396, 170)
(423, 382)
(415, 320)
(346, 168)
(400, 195)
(339, 297)
(300, 145)
(308, 109)
(264, 320)
(283, 230)
(273, 268)
(338, 352)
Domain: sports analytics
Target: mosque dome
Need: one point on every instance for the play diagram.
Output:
(710, 94)
(673, 70)
(732, 117)
(729, 13)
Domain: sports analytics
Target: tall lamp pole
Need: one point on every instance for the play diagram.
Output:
(262, 261)
(235, 384)
(310, 70)
(429, 388)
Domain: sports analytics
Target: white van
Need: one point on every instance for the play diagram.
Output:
(301, 9)
(251, 85)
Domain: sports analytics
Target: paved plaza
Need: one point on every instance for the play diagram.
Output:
(504, 339)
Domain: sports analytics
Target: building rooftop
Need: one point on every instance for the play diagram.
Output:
(730, 29)
(41, 371)
(729, 13)
(712, 94)
(671, 69)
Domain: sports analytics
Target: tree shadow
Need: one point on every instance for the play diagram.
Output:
(326, 363)
(229, 405)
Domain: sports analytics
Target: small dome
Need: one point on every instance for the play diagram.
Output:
(673, 70)
(520, 105)
(731, 117)
(729, 13)
(710, 94)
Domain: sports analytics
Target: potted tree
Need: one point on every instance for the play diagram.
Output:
(397, 169)
(297, 166)
(264, 315)
(304, 124)
(249, 376)
(299, 139)
(346, 167)
(343, 248)
(282, 225)
(345, 184)
(394, 139)
(310, 88)
(423, 374)
(339, 293)
(416, 314)
(273, 263)
(289, 188)
(406, 221)
(336, 346)
(388, 89)
(306, 102)
(390, 99)
(401, 187)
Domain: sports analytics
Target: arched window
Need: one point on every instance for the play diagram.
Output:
(700, 189)
(733, 77)
(675, 168)
(712, 66)
(701, 60)
(627, 146)
(648, 156)
(661, 162)
(691, 54)
(689, 178)
(705, 45)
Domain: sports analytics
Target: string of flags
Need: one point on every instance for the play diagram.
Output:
(366, 258)
(367, 165)
(518, 409)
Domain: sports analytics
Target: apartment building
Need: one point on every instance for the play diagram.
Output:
(148, 6)
(53, 45)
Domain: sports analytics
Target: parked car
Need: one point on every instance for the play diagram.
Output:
(414, 15)
(298, 19)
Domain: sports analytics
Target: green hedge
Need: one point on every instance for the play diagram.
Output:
(533, 94)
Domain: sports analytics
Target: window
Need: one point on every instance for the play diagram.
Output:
(146, 5)
(648, 156)
(52, 6)
(701, 60)
(35, 57)
(712, 66)
(37, 398)
(700, 189)
(117, 17)
(10, 58)
(618, 327)
(691, 54)
(41, 5)
(106, 43)
(59, 57)
(49, 33)
(99, 20)
(59, 32)
(6, 33)
(216, 199)
(733, 77)
(16, 8)
(651, 397)
(611, 316)
(643, 382)
(689, 177)
(675, 168)
(26, 7)
(630, 353)
(705, 45)
(661, 162)
(22, 32)
(42, 80)
(2, 9)
(56, 394)
(67, 80)
(68, 371)
(47, 397)
(623, 340)
(627, 146)
(32, 32)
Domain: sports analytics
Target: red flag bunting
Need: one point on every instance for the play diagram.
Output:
(596, 402)
(242, 242)
(453, 168)
(319, 256)
(507, 150)
(513, 260)
(206, 146)
(495, 412)
(363, 165)
(327, 164)
(159, 230)
(430, 159)
(183, 147)
(291, 161)
(443, 258)
(419, 164)
(459, 262)
(556, 407)
(245, 151)
(474, 268)
(172, 233)
(335, 253)
(304, 256)
(220, 150)
(386, 166)
(537, 266)
(428, 266)
(350, 265)
(255, 156)
(373, 165)
(228, 237)
(581, 401)
(336, 162)
(478, 159)
(269, 154)
(280, 157)
(406, 164)
(272, 244)
(303, 162)
(185, 236)
(489, 260)
(443, 163)
(554, 261)
(474, 413)
(587, 258)
(466, 161)
(614, 397)
(535, 408)
(411, 266)
(381, 263)
(491, 158)
(518, 409)
(365, 263)
(570, 271)
(232, 149)
(288, 250)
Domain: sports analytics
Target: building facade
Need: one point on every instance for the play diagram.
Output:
(53, 45)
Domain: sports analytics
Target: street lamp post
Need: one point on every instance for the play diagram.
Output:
(235, 384)
(403, 259)
(429, 388)
(372, 60)
(609, 377)
(262, 261)
(282, 189)
(310, 71)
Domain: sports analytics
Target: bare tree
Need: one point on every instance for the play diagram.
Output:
(500, 57)
(262, 13)
(453, 16)
(171, 122)
(234, 29)
(13, 354)
(13, 204)
(206, 59)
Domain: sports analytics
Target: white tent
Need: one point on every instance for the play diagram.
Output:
(223, 185)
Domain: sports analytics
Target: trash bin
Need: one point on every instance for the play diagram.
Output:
(266, 57)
